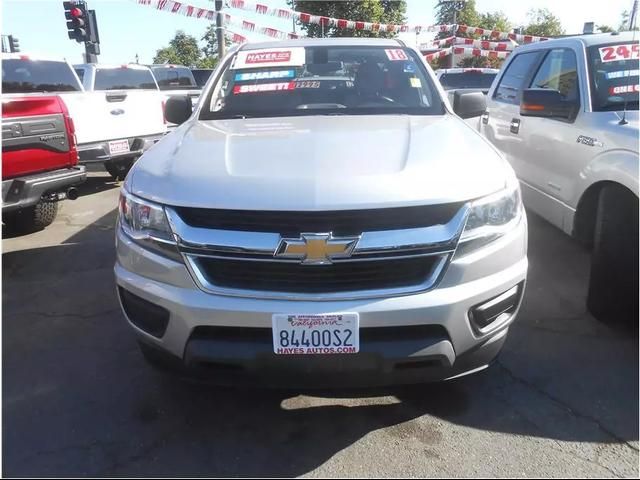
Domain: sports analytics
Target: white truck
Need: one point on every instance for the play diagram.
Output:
(130, 112)
(176, 80)
(113, 127)
(565, 114)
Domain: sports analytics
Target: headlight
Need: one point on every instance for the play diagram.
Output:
(146, 224)
(491, 217)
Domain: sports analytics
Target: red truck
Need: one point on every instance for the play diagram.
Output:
(39, 160)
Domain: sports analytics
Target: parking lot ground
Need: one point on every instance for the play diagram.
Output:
(78, 399)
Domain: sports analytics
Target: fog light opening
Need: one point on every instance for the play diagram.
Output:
(492, 313)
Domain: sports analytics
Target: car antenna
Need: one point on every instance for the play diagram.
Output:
(623, 120)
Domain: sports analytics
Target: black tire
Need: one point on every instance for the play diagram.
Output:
(613, 283)
(34, 218)
(119, 169)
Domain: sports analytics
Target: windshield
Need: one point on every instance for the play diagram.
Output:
(201, 76)
(323, 80)
(29, 76)
(477, 79)
(124, 79)
(614, 76)
(174, 78)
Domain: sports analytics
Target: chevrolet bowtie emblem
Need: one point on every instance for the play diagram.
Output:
(316, 248)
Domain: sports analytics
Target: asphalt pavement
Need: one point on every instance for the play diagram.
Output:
(79, 400)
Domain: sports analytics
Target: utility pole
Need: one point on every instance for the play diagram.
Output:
(634, 14)
(219, 29)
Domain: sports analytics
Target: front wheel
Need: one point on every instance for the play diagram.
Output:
(613, 283)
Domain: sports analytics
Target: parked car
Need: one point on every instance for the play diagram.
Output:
(201, 75)
(287, 233)
(477, 79)
(565, 114)
(39, 160)
(140, 112)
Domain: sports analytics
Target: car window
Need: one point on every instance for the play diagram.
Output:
(559, 71)
(323, 80)
(28, 76)
(614, 75)
(80, 73)
(124, 79)
(173, 78)
(201, 76)
(512, 82)
(472, 79)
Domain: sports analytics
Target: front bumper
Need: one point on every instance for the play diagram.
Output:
(99, 151)
(404, 339)
(23, 192)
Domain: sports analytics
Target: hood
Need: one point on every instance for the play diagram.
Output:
(319, 163)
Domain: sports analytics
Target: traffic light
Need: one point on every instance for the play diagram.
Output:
(77, 23)
(14, 44)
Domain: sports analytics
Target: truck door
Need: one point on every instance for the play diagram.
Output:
(501, 122)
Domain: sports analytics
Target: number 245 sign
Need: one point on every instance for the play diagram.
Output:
(620, 52)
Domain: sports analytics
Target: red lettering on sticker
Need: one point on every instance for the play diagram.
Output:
(268, 57)
(624, 89)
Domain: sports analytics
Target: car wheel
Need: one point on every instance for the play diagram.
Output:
(34, 218)
(119, 169)
(613, 283)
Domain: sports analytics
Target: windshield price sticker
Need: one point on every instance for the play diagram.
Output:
(266, 75)
(613, 53)
(623, 74)
(395, 54)
(624, 89)
(264, 87)
(307, 84)
(276, 57)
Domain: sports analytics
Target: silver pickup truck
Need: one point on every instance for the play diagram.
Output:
(564, 113)
(322, 218)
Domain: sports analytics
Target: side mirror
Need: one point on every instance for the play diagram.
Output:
(546, 103)
(178, 109)
(469, 104)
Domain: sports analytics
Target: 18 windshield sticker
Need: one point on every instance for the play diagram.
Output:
(267, 75)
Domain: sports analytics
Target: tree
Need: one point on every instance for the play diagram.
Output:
(543, 23)
(495, 21)
(210, 49)
(465, 13)
(605, 28)
(624, 22)
(385, 11)
(183, 49)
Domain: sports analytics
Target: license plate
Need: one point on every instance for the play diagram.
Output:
(118, 146)
(327, 334)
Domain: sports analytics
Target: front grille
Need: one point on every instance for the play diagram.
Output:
(317, 279)
(340, 222)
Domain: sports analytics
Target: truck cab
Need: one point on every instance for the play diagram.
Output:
(564, 113)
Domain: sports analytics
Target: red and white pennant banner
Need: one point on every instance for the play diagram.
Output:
(430, 57)
(476, 52)
(196, 12)
(330, 22)
(484, 44)
(443, 42)
(495, 34)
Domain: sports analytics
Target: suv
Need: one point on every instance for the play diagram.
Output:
(287, 233)
(39, 160)
(565, 114)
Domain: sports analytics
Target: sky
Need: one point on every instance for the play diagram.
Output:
(127, 29)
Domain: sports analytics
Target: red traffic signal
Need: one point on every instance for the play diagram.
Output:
(76, 15)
